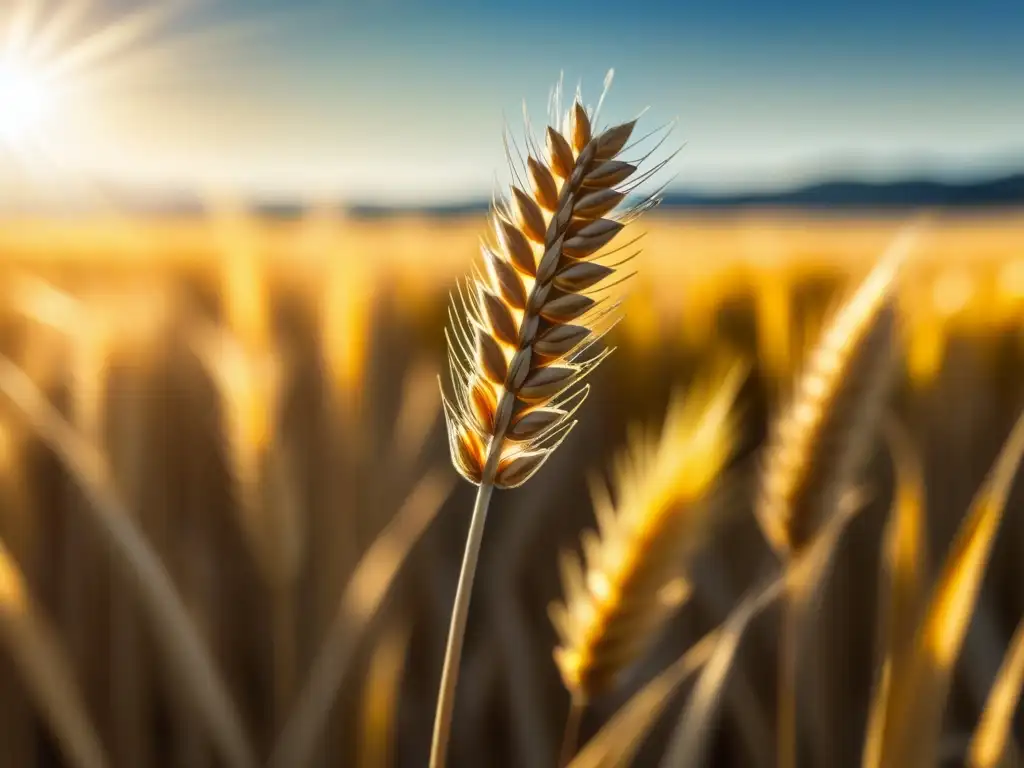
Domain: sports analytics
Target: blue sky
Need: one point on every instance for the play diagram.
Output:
(403, 100)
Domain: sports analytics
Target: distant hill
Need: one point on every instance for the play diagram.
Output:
(838, 195)
(1006, 191)
(911, 193)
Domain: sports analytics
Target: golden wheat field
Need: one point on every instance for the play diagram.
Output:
(230, 529)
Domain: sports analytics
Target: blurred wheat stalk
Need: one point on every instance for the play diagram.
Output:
(212, 480)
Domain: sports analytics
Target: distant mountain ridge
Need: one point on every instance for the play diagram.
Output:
(909, 193)
(838, 195)
(1004, 191)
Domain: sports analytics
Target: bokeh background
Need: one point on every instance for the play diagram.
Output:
(229, 530)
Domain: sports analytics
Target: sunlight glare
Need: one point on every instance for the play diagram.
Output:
(25, 102)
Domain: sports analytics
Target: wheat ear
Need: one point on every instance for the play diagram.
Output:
(613, 607)
(821, 443)
(521, 333)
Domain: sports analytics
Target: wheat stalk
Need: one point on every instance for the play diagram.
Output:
(521, 333)
(173, 629)
(380, 697)
(251, 379)
(904, 552)
(821, 443)
(365, 591)
(910, 705)
(689, 743)
(613, 607)
(992, 741)
(35, 647)
(617, 741)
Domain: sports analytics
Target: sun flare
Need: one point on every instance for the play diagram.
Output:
(61, 67)
(26, 102)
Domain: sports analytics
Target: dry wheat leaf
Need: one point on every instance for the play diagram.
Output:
(993, 735)
(617, 741)
(177, 635)
(364, 593)
(905, 567)
(49, 678)
(697, 721)
(380, 695)
(918, 691)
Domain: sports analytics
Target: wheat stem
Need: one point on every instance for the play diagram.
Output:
(457, 628)
(786, 756)
(571, 737)
(285, 650)
(371, 582)
(173, 627)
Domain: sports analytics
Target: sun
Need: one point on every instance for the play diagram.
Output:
(79, 79)
(56, 72)
(26, 102)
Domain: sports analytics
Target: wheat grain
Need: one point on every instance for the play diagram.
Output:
(613, 606)
(520, 332)
(522, 329)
